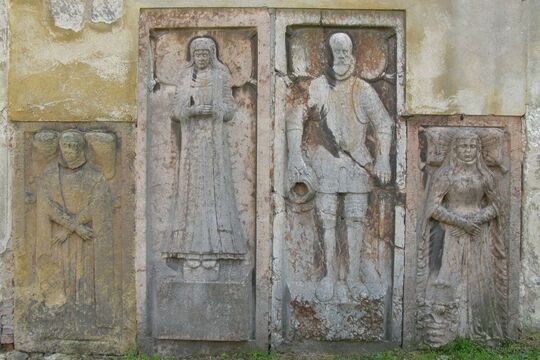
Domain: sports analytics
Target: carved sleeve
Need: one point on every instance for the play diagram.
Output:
(181, 103)
(437, 189)
(58, 214)
(446, 216)
(486, 214)
(372, 105)
(228, 100)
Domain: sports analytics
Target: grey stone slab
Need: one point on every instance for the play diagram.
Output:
(204, 311)
(203, 220)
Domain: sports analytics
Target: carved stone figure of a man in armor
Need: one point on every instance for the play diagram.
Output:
(337, 164)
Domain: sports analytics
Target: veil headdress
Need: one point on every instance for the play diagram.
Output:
(205, 43)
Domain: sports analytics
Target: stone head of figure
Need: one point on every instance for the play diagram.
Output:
(341, 46)
(72, 148)
(203, 52)
(466, 146)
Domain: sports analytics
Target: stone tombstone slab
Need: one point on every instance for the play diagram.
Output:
(463, 229)
(203, 260)
(339, 175)
(73, 196)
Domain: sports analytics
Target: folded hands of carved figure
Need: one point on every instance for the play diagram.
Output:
(481, 217)
(201, 110)
(74, 224)
(382, 171)
(460, 224)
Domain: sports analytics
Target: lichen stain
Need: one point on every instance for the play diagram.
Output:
(309, 325)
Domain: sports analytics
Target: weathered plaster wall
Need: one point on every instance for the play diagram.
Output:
(530, 251)
(455, 63)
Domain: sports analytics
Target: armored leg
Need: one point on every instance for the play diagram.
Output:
(355, 207)
(326, 207)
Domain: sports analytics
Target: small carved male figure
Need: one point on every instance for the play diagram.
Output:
(74, 235)
(341, 164)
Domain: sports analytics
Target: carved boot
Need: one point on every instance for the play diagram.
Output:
(355, 239)
(325, 288)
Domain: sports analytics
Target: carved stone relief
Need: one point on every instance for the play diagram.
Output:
(338, 108)
(73, 14)
(201, 139)
(464, 272)
(74, 286)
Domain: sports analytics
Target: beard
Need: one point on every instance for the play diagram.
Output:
(341, 67)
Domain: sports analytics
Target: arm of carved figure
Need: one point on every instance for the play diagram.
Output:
(485, 215)
(446, 216)
(297, 170)
(99, 191)
(228, 100)
(181, 108)
(371, 104)
(60, 216)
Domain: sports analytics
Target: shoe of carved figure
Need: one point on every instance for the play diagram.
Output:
(358, 290)
(342, 295)
(325, 289)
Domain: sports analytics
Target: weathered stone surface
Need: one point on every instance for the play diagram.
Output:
(334, 220)
(463, 232)
(73, 239)
(6, 255)
(68, 14)
(72, 14)
(16, 355)
(530, 277)
(107, 11)
(204, 93)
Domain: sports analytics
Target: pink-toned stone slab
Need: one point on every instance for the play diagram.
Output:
(432, 141)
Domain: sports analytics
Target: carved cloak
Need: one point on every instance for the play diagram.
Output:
(76, 273)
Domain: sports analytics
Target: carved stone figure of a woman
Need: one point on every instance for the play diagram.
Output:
(462, 285)
(204, 218)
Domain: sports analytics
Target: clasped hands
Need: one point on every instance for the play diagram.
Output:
(201, 110)
(75, 226)
(469, 224)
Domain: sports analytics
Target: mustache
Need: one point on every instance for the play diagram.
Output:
(342, 61)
